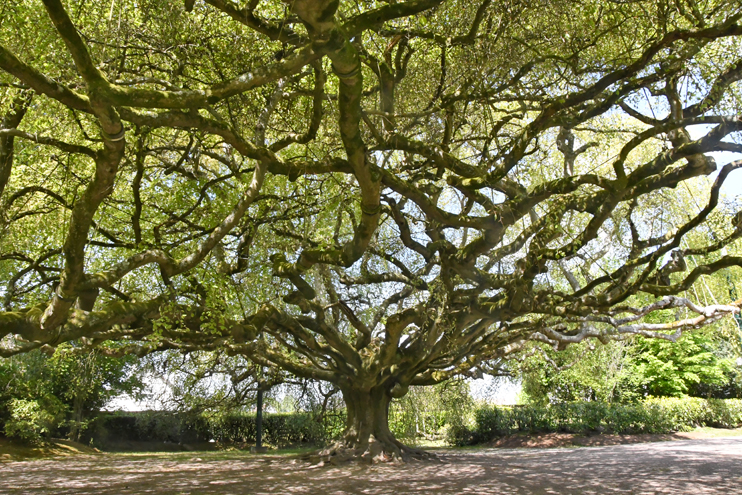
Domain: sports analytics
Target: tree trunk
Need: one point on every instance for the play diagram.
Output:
(367, 436)
(77, 417)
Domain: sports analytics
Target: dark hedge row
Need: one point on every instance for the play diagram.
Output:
(279, 429)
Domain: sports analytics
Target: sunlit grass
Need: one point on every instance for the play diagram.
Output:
(719, 432)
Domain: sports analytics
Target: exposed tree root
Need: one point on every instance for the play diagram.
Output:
(375, 452)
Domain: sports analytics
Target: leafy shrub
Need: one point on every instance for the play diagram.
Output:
(31, 419)
(232, 427)
(59, 394)
(459, 434)
(654, 415)
(700, 364)
(278, 429)
(431, 411)
(406, 422)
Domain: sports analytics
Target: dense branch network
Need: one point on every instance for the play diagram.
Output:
(373, 194)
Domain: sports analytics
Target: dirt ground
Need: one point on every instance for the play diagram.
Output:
(700, 466)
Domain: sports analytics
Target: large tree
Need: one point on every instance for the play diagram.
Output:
(376, 194)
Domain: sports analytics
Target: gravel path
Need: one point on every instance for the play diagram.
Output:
(679, 467)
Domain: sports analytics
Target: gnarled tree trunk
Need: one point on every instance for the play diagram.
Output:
(367, 436)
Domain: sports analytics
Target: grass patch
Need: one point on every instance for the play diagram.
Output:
(718, 432)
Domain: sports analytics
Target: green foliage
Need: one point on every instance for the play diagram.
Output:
(426, 411)
(30, 420)
(581, 372)
(653, 415)
(729, 389)
(452, 169)
(225, 428)
(44, 395)
(699, 364)
(158, 426)
(661, 368)
(278, 429)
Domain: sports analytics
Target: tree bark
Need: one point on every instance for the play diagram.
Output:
(367, 435)
(11, 121)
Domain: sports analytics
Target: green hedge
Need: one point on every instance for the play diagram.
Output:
(278, 429)
(654, 415)
(239, 427)
(406, 423)
(236, 427)
(145, 426)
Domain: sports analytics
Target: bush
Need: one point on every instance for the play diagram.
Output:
(654, 415)
(460, 435)
(31, 419)
(279, 429)
(431, 412)
(406, 422)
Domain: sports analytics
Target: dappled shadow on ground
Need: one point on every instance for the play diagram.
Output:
(694, 466)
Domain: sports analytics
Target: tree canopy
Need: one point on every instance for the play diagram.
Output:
(376, 194)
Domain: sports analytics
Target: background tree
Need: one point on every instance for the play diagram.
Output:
(391, 194)
(46, 395)
(699, 365)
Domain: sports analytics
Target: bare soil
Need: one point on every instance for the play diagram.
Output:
(691, 466)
